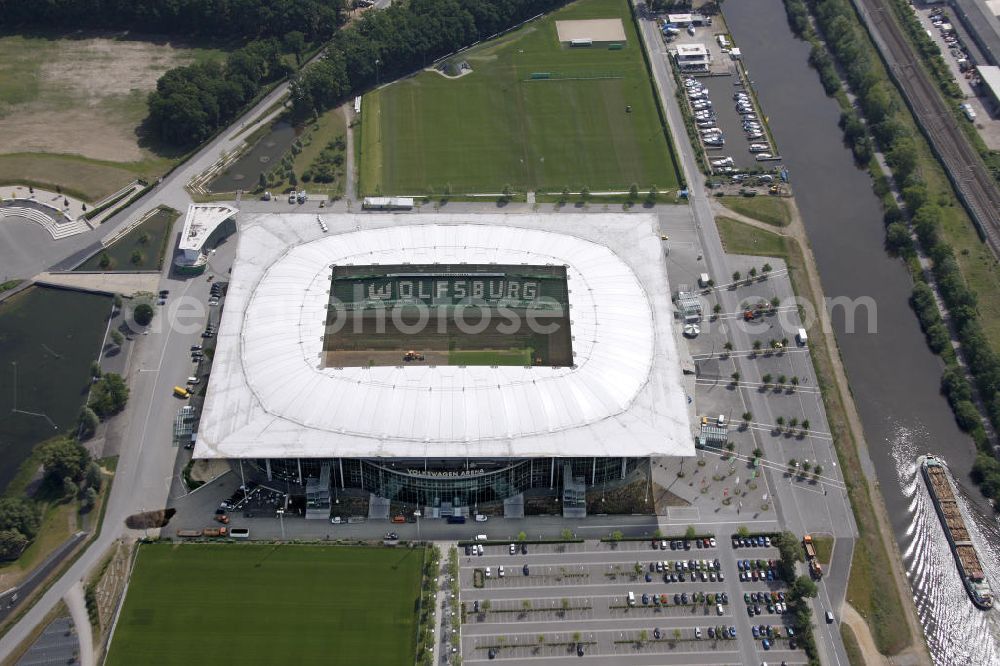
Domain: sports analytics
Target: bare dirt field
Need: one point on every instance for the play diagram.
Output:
(82, 96)
(599, 30)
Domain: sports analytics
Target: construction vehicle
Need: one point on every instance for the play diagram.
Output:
(222, 518)
(814, 567)
(188, 534)
(214, 532)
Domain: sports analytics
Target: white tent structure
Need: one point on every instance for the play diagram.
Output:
(270, 395)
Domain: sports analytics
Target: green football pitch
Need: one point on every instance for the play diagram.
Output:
(266, 604)
(497, 126)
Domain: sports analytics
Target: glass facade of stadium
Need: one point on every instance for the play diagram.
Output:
(459, 481)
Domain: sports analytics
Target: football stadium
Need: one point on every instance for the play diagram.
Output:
(453, 363)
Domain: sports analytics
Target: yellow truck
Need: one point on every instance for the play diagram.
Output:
(181, 392)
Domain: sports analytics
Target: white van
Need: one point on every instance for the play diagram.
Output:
(802, 337)
(482, 537)
(240, 533)
(193, 380)
(631, 598)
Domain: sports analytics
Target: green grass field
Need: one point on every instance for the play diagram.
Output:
(495, 126)
(490, 357)
(149, 239)
(254, 604)
(770, 210)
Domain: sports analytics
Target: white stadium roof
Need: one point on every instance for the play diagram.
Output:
(270, 396)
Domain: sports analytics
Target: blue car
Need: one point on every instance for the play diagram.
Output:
(766, 643)
(732, 632)
(756, 633)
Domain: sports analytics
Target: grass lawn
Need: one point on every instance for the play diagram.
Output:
(824, 548)
(268, 604)
(495, 126)
(739, 238)
(149, 239)
(854, 654)
(490, 357)
(315, 139)
(770, 210)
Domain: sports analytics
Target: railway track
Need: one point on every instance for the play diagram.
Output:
(968, 174)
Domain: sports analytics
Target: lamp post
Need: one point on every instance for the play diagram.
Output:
(281, 518)
(377, 79)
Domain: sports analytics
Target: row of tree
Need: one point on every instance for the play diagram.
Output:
(884, 112)
(393, 42)
(224, 20)
(192, 102)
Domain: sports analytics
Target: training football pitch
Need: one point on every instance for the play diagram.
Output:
(498, 126)
(267, 604)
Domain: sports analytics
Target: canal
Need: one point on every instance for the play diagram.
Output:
(894, 377)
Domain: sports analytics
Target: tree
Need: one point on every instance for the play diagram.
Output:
(765, 269)
(93, 476)
(747, 416)
(293, 180)
(736, 276)
(64, 458)
(780, 420)
(143, 314)
(105, 261)
(262, 182)
(117, 301)
(758, 453)
(19, 513)
(522, 536)
(790, 551)
(756, 345)
(643, 635)
(584, 194)
(690, 532)
(736, 377)
(295, 43)
(526, 604)
(136, 257)
(818, 470)
(752, 273)
(12, 544)
(716, 309)
(617, 535)
(743, 531)
(567, 534)
(728, 346)
(95, 369)
(802, 587)
(564, 197)
(805, 424)
(109, 395)
(633, 192)
(565, 603)
(117, 338)
(652, 196)
(508, 192)
(767, 378)
(88, 422)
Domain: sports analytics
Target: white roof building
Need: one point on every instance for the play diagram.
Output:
(270, 395)
(199, 223)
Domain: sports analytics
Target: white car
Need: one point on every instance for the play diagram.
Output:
(489, 572)
(335, 520)
(513, 549)
(718, 609)
(697, 632)
(480, 518)
(500, 571)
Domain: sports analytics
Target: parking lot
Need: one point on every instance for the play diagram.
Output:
(573, 599)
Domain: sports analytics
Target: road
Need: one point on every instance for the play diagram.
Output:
(801, 510)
